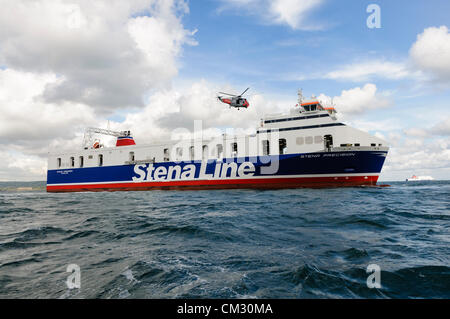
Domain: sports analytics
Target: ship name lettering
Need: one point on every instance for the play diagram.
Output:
(149, 172)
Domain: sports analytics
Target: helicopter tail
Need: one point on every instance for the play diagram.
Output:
(227, 101)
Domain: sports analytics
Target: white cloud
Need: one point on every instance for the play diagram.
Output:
(416, 132)
(442, 128)
(429, 57)
(364, 71)
(357, 100)
(106, 54)
(293, 13)
(171, 109)
(431, 52)
(419, 156)
(19, 167)
(25, 117)
(64, 63)
(417, 151)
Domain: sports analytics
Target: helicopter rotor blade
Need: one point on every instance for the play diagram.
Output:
(227, 94)
(244, 92)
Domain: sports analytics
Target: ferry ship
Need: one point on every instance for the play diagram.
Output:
(308, 147)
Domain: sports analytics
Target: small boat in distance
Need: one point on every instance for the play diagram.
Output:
(415, 178)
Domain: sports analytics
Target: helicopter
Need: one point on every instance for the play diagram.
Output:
(236, 101)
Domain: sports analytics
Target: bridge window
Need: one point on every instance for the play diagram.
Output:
(100, 159)
(266, 147)
(282, 145)
(81, 159)
(131, 156)
(309, 140)
(58, 162)
(219, 148)
(191, 153)
(234, 149)
(300, 140)
(166, 155)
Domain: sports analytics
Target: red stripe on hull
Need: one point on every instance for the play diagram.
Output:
(260, 183)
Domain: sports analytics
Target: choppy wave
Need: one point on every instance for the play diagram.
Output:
(300, 243)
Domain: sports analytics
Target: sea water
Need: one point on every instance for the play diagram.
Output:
(294, 243)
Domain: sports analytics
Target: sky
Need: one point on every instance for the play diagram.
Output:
(151, 66)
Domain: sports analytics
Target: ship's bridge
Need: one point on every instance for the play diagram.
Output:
(312, 106)
(304, 114)
(315, 106)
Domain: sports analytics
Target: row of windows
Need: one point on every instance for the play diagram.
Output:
(80, 161)
(296, 118)
(282, 145)
(266, 150)
(219, 150)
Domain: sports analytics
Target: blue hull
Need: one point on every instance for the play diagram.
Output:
(323, 164)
